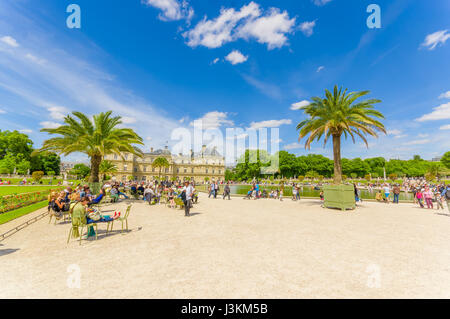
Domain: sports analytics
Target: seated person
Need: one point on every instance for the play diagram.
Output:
(59, 205)
(140, 190)
(379, 196)
(98, 199)
(81, 215)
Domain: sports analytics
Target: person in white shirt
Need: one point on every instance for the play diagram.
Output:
(188, 191)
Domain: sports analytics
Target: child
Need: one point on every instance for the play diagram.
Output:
(321, 196)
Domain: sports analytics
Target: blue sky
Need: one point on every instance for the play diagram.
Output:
(161, 64)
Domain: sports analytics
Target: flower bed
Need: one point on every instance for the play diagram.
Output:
(15, 201)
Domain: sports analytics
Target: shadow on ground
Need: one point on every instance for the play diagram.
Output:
(4, 252)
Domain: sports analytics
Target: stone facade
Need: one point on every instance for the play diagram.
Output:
(207, 163)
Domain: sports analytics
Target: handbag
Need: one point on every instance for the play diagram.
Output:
(94, 215)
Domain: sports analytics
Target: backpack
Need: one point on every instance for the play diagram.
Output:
(183, 196)
(447, 194)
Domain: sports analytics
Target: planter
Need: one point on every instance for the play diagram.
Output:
(339, 196)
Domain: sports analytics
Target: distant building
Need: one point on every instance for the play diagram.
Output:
(207, 163)
(436, 159)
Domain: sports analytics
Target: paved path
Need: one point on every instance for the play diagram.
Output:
(238, 249)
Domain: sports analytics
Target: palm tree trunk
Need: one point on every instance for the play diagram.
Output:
(95, 165)
(337, 159)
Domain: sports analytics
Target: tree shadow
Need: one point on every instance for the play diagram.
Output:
(4, 252)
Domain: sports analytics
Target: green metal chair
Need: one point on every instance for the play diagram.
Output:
(122, 219)
(75, 228)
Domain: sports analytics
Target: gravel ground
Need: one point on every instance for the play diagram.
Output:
(236, 249)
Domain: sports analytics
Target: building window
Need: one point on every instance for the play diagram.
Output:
(185, 170)
(125, 167)
(178, 170)
(126, 156)
(145, 169)
(115, 156)
(213, 171)
(135, 169)
(167, 170)
(153, 169)
(206, 171)
(192, 170)
(220, 171)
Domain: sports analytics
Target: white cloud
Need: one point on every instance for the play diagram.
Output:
(321, 2)
(9, 41)
(48, 124)
(445, 95)
(35, 59)
(434, 39)
(2, 111)
(418, 142)
(213, 120)
(26, 131)
(298, 105)
(148, 138)
(441, 112)
(270, 29)
(395, 133)
(422, 135)
(320, 68)
(236, 57)
(128, 120)
(270, 123)
(57, 112)
(215, 60)
(172, 9)
(249, 22)
(307, 28)
(445, 127)
(293, 146)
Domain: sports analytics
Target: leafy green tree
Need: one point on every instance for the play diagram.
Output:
(96, 138)
(80, 171)
(107, 167)
(337, 115)
(160, 163)
(15, 143)
(445, 160)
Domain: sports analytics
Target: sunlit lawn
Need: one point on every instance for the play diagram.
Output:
(7, 190)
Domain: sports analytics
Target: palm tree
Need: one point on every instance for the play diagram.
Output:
(337, 115)
(160, 162)
(95, 138)
(107, 167)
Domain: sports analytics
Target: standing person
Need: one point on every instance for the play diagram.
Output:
(428, 196)
(188, 191)
(396, 192)
(216, 189)
(356, 192)
(446, 196)
(281, 191)
(298, 192)
(387, 191)
(419, 197)
(294, 192)
(439, 199)
(211, 190)
(226, 191)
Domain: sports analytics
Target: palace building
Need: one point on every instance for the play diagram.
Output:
(206, 164)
